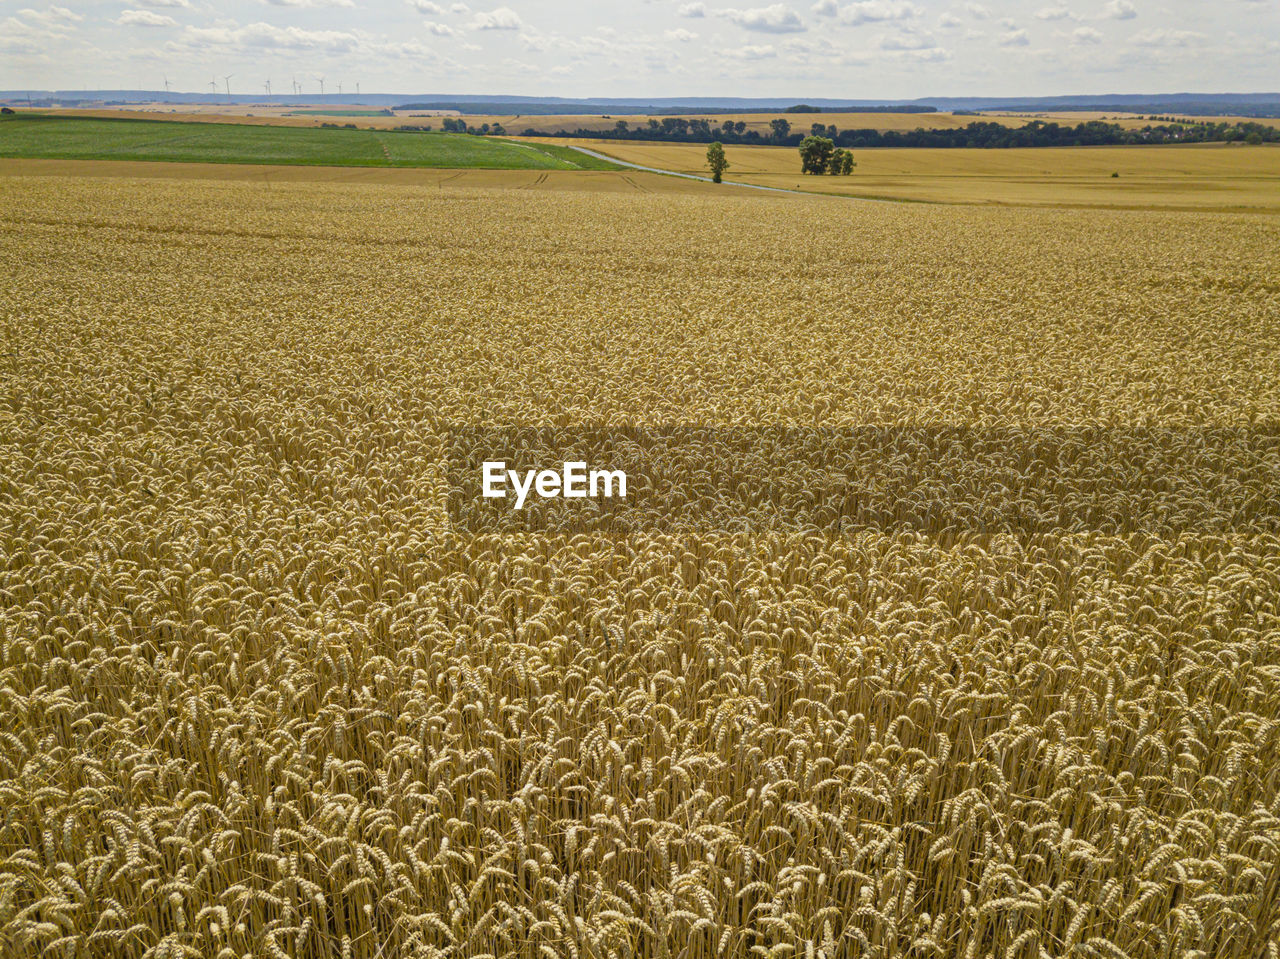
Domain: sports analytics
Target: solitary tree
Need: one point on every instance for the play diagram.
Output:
(841, 162)
(781, 129)
(716, 161)
(815, 154)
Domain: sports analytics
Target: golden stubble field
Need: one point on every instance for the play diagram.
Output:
(802, 122)
(515, 123)
(1200, 177)
(260, 696)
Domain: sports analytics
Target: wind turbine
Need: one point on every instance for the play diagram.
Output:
(213, 85)
(357, 88)
(267, 87)
(166, 85)
(321, 79)
(227, 80)
(339, 88)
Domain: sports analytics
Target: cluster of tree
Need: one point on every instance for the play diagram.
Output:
(1186, 121)
(819, 155)
(682, 130)
(459, 125)
(978, 134)
(900, 108)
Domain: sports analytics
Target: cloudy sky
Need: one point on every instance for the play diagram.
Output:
(583, 48)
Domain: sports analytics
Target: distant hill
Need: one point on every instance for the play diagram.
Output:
(1192, 104)
(600, 107)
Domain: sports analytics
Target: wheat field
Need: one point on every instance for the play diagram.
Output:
(262, 693)
(264, 114)
(1192, 177)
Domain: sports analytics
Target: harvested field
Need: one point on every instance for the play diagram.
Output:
(1201, 177)
(314, 116)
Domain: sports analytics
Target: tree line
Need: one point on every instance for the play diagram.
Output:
(891, 108)
(818, 155)
(984, 134)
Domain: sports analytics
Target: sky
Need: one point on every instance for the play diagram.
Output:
(857, 49)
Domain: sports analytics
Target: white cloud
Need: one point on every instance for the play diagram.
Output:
(1167, 38)
(907, 40)
(144, 18)
(912, 43)
(184, 4)
(1086, 35)
(1119, 10)
(51, 16)
(520, 66)
(37, 30)
(15, 38)
(977, 11)
(501, 18)
(750, 52)
(810, 46)
(426, 6)
(459, 8)
(877, 11)
(303, 4)
(680, 35)
(825, 8)
(440, 29)
(1014, 38)
(258, 37)
(949, 21)
(693, 10)
(778, 18)
(1054, 13)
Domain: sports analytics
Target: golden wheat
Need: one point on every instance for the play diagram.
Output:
(263, 695)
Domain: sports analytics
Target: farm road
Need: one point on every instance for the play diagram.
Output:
(707, 179)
